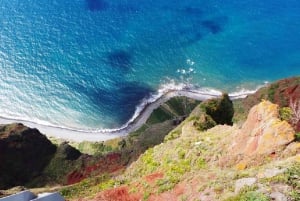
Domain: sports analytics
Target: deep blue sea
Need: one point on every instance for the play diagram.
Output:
(88, 64)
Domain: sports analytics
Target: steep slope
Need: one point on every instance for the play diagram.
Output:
(282, 92)
(30, 159)
(24, 153)
(259, 160)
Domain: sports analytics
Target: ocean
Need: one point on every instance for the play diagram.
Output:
(91, 64)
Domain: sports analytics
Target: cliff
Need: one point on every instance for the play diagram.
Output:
(25, 150)
(257, 161)
(24, 153)
(256, 158)
(284, 93)
(222, 150)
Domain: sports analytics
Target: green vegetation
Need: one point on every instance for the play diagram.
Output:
(221, 110)
(159, 115)
(285, 113)
(159, 155)
(86, 187)
(63, 162)
(249, 196)
(186, 154)
(297, 136)
(20, 160)
(173, 135)
(174, 108)
(204, 122)
(272, 90)
(150, 164)
(249, 193)
(181, 105)
(213, 112)
(292, 176)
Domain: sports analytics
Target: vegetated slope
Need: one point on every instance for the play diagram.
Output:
(190, 162)
(29, 159)
(258, 161)
(24, 153)
(283, 92)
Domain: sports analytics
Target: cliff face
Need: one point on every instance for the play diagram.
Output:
(24, 153)
(283, 93)
(263, 133)
(215, 164)
(257, 158)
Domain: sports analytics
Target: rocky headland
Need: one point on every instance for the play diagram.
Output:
(219, 149)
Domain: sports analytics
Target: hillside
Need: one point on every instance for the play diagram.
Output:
(247, 149)
(29, 159)
(256, 159)
(20, 162)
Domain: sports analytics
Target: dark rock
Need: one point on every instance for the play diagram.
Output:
(24, 153)
(221, 110)
(69, 152)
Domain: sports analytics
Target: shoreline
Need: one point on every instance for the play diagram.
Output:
(139, 118)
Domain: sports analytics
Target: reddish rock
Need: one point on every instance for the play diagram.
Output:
(263, 133)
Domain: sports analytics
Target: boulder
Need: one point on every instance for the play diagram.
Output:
(263, 133)
(241, 183)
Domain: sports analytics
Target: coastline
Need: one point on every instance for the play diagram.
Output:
(140, 116)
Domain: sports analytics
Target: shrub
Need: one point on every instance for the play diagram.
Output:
(204, 122)
(249, 193)
(173, 135)
(221, 110)
(285, 114)
(297, 136)
(149, 163)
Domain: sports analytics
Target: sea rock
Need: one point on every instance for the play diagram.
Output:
(241, 183)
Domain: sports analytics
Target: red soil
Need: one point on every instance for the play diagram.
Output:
(153, 177)
(108, 164)
(117, 194)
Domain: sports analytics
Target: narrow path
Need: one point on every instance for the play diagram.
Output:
(139, 118)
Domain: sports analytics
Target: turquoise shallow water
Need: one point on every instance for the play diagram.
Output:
(88, 64)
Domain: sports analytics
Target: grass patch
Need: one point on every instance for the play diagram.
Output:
(87, 187)
(272, 91)
(159, 115)
(249, 193)
(297, 136)
(139, 131)
(285, 114)
(173, 135)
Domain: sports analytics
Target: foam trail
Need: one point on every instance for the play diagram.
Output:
(142, 113)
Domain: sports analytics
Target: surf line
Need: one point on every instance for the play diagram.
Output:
(142, 113)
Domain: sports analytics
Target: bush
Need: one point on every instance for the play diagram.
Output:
(221, 110)
(172, 135)
(297, 136)
(249, 193)
(285, 114)
(204, 122)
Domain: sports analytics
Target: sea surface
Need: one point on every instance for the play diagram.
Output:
(90, 64)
